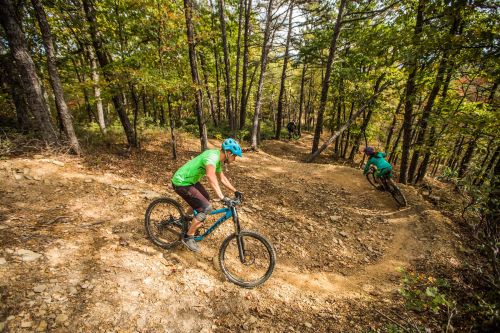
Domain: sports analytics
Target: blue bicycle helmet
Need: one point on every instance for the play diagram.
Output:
(233, 146)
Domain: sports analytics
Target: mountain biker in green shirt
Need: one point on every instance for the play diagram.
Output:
(186, 183)
(384, 168)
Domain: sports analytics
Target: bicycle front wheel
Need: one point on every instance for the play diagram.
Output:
(247, 259)
(396, 193)
(370, 176)
(164, 222)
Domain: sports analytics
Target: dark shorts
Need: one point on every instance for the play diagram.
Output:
(195, 195)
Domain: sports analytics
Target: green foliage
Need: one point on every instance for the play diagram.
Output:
(388, 328)
(425, 293)
(6, 145)
(267, 130)
(448, 174)
(487, 308)
(91, 136)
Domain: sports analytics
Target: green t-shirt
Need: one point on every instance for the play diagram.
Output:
(191, 172)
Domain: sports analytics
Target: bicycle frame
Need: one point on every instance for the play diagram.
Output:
(229, 212)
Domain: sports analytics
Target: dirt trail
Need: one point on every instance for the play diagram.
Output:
(74, 256)
(403, 248)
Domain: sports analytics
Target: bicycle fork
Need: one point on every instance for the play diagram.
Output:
(239, 238)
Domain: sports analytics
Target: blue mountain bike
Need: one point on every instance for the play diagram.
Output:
(246, 257)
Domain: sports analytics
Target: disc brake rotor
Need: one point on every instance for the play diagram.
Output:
(249, 258)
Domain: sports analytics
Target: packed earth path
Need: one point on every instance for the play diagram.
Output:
(74, 256)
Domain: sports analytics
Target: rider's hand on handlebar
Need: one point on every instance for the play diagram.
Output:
(238, 195)
(226, 201)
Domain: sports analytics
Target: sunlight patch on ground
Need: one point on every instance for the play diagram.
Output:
(62, 252)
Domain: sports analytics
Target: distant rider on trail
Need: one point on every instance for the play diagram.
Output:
(291, 129)
(186, 182)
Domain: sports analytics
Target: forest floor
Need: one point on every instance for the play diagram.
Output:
(74, 256)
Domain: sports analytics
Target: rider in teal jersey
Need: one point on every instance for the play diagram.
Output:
(377, 159)
(186, 183)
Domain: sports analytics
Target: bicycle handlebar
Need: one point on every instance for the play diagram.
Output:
(233, 203)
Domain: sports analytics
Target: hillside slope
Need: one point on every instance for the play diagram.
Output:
(75, 258)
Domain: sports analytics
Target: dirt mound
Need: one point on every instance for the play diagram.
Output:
(74, 256)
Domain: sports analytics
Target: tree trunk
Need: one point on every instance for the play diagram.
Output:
(301, 100)
(492, 216)
(393, 124)
(81, 79)
(279, 116)
(250, 85)
(422, 170)
(172, 127)
(338, 123)
(144, 103)
(366, 121)
(55, 82)
(308, 105)
(12, 79)
(357, 139)
(393, 155)
(343, 135)
(155, 108)
(484, 162)
(464, 164)
(159, 45)
(135, 99)
(188, 10)
(241, 10)
(456, 152)
(444, 64)
(436, 166)
(347, 124)
(209, 95)
(243, 108)
(227, 67)
(263, 63)
(27, 71)
(97, 90)
(410, 95)
(216, 60)
(104, 61)
(489, 168)
(422, 125)
(326, 79)
(432, 134)
(347, 137)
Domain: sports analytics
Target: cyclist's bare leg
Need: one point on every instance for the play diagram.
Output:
(195, 224)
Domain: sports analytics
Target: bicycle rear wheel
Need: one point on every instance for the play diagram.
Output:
(165, 222)
(396, 193)
(257, 264)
